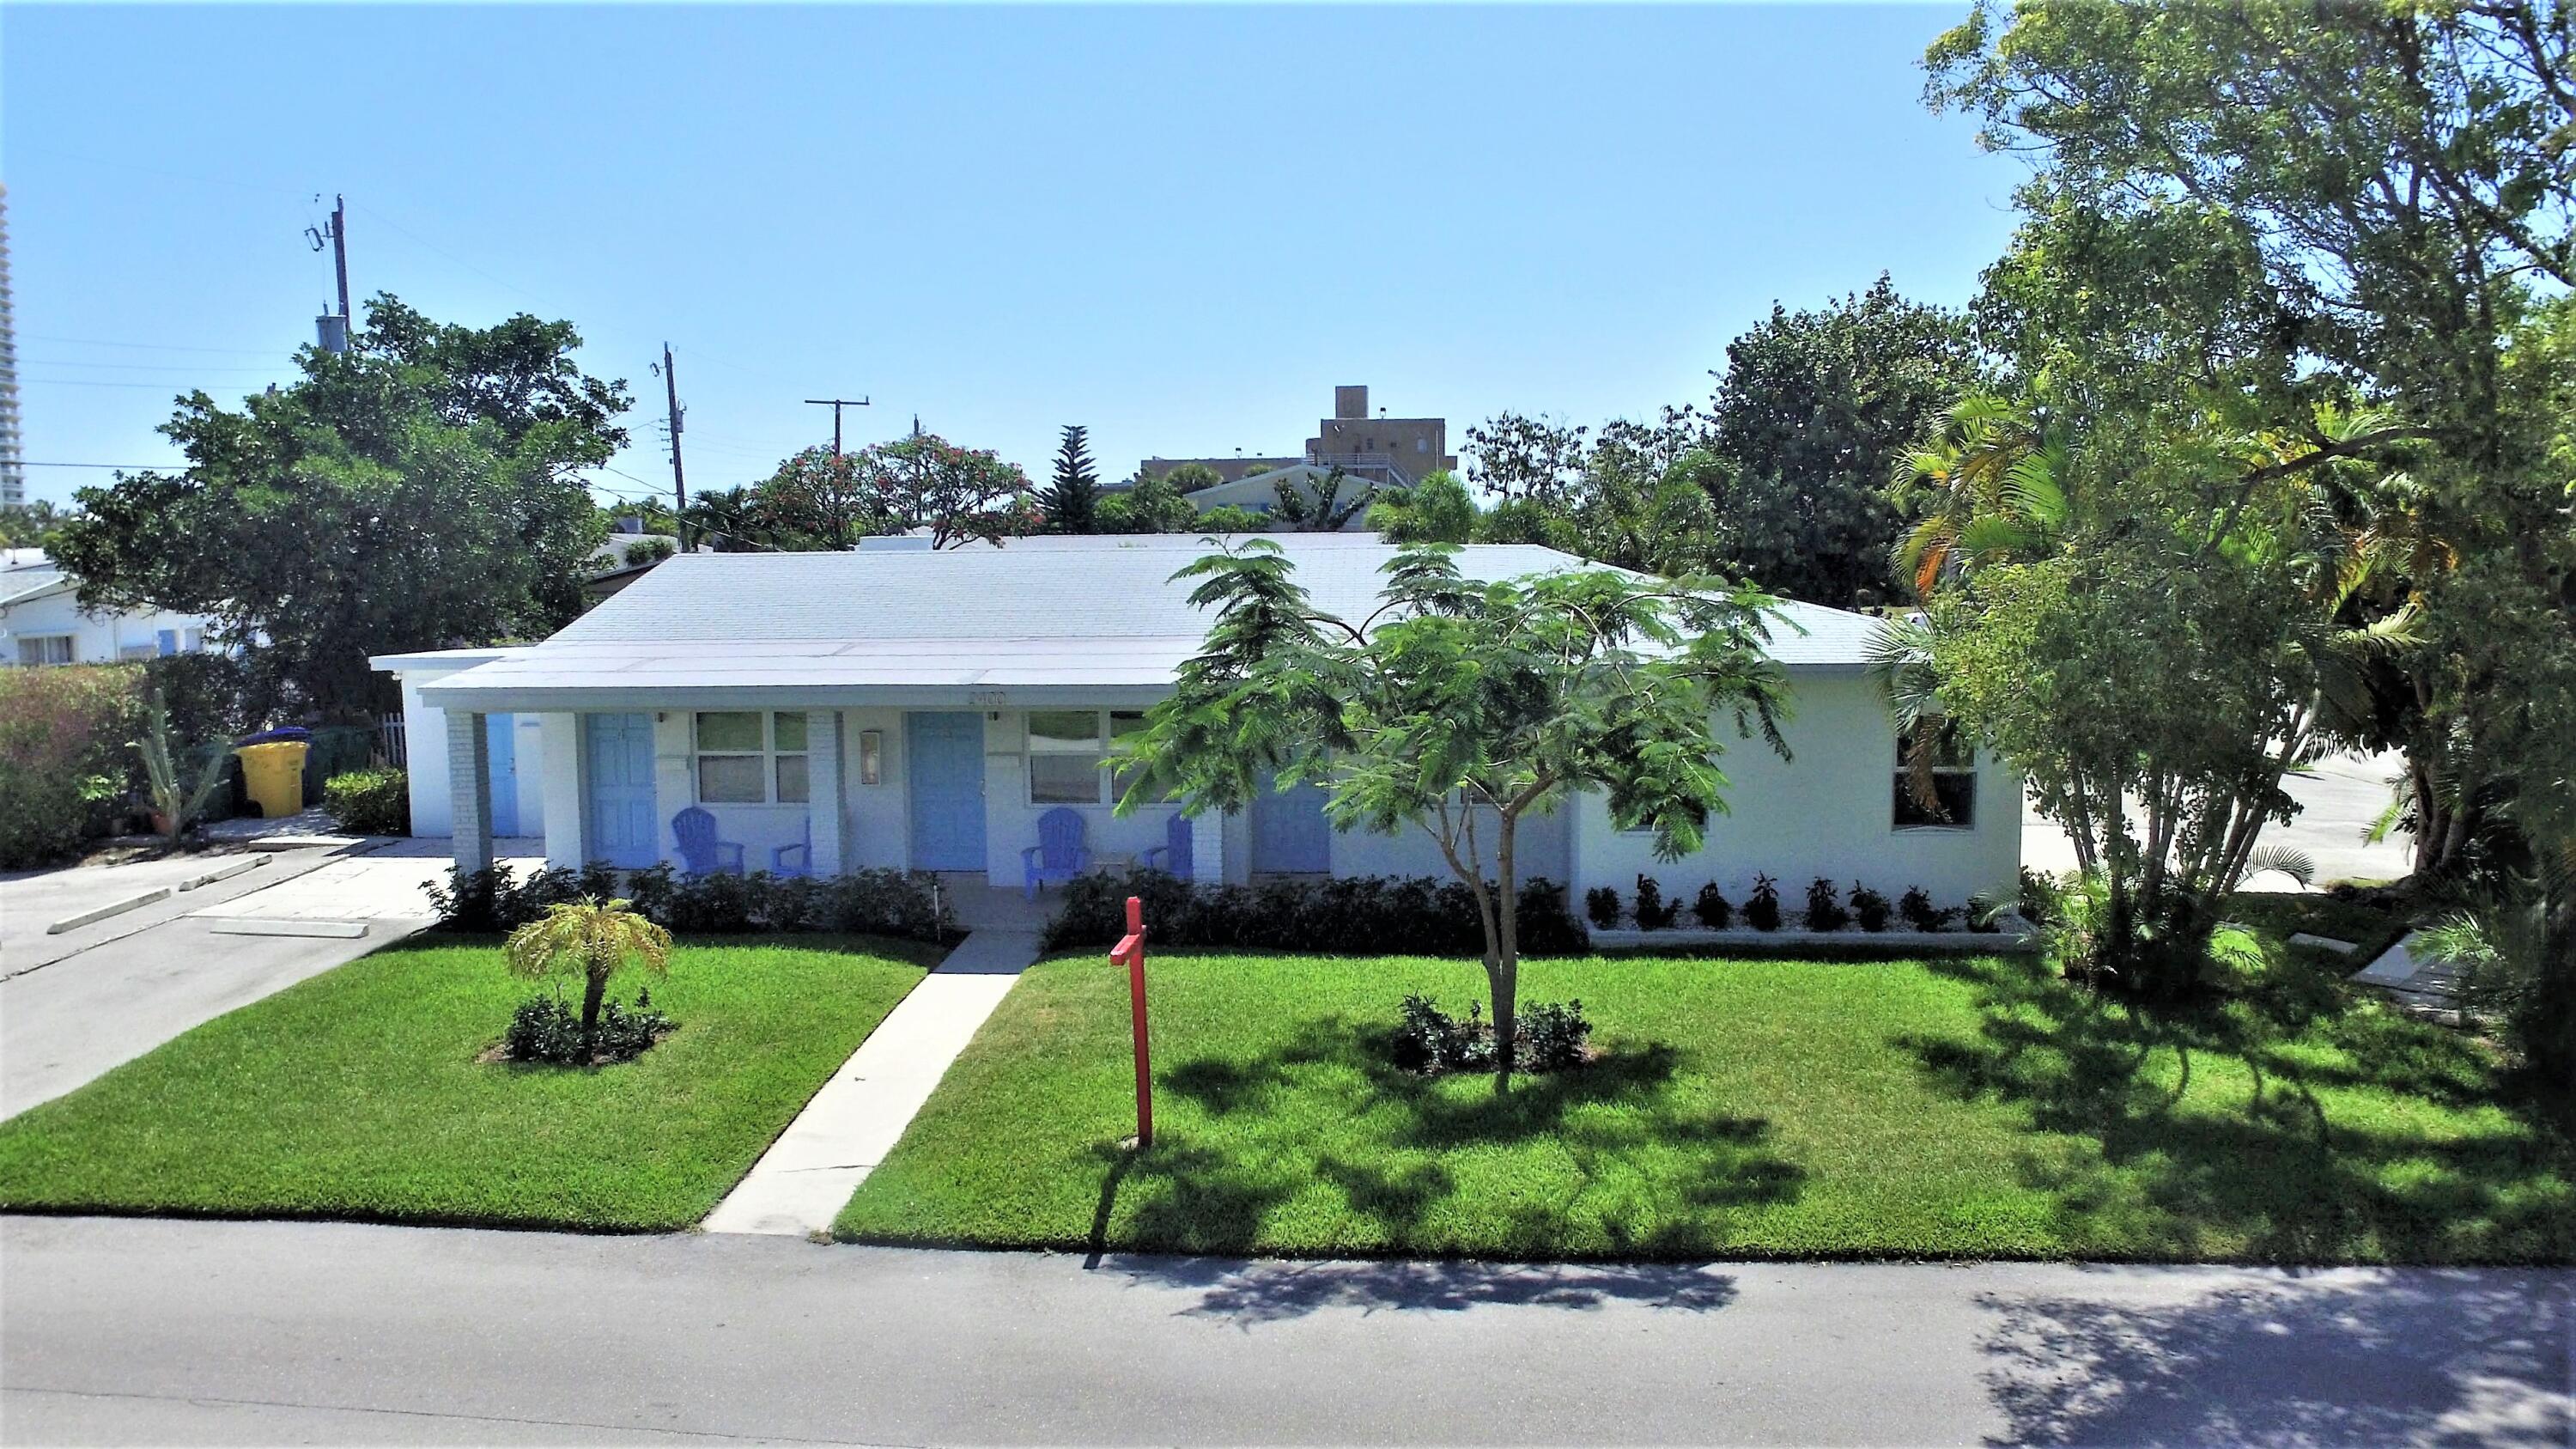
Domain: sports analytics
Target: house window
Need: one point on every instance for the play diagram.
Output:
(1065, 756)
(1068, 753)
(45, 649)
(748, 757)
(1954, 783)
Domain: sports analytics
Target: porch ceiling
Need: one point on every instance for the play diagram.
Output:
(984, 673)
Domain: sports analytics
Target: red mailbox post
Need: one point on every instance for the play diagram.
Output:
(1130, 953)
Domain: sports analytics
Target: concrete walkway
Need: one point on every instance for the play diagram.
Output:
(800, 1184)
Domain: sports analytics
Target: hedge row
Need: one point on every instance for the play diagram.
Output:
(1354, 916)
(866, 902)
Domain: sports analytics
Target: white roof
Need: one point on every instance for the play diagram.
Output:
(1055, 623)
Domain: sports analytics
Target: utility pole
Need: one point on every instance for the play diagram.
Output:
(679, 479)
(340, 249)
(336, 232)
(836, 404)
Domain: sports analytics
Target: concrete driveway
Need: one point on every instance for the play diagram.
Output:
(134, 1331)
(76, 1004)
(2338, 804)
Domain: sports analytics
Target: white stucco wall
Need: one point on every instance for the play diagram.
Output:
(425, 746)
(1827, 811)
(96, 638)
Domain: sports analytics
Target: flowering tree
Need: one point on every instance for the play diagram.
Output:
(959, 494)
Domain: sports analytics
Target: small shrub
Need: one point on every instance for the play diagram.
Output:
(1919, 912)
(546, 1030)
(1762, 908)
(1825, 907)
(1712, 907)
(369, 802)
(1601, 904)
(1654, 913)
(1552, 1037)
(1868, 907)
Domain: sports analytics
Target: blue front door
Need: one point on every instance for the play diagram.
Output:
(1289, 833)
(617, 754)
(944, 760)
(501, 742)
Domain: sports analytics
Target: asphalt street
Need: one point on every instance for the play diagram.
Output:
(130, 1331)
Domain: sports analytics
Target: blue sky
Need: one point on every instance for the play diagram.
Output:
(1179, 226)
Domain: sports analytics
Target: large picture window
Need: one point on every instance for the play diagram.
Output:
(45, 649)
(750, 757)
(1953, 773)
(1068, 753)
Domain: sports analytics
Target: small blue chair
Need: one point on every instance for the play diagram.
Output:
(1060, 853)
(694, 831)
(1175, 851)
(803, 850)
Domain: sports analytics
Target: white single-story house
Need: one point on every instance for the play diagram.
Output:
(42, 622)
(921, 710)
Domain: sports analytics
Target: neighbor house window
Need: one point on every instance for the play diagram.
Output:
(1066, 751)
(1953, 766)
(750, 757)
(45, 649)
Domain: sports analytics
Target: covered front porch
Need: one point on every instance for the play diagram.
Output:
(962, 793)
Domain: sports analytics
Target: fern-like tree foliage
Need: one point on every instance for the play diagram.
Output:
(593, 940)
(1459, 708)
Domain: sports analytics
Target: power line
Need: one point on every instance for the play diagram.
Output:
(102, 465)
(149, 346)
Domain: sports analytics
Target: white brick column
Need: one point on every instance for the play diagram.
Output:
(823, 788)
(469, 791)
(1207, 849)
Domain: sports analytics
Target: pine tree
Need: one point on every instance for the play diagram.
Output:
(1070, 501)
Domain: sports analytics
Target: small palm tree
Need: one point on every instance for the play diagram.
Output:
(178, 801)
(591, 939)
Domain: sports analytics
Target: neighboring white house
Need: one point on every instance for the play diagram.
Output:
(42, 622)
(935, 705)
(1259, 492)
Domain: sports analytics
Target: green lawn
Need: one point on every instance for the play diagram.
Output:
(357, 1094)
(1962, 1108)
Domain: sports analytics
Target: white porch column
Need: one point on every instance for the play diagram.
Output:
(559, 756)
(823, 788)
(1207, 849)
(469, 791)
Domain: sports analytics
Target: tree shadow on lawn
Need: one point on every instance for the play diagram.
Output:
(2278, 1178)
(1604, 1117)
(2381, 1357)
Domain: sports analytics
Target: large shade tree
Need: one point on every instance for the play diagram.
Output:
(420, 490)
(1460, 708)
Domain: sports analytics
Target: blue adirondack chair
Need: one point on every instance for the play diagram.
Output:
(1174, 853)
(694, 831)
(803, 850)
(1060, 853)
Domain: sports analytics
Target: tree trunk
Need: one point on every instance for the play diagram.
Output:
(590, 998)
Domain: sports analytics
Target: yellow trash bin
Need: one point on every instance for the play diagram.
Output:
(274, 776)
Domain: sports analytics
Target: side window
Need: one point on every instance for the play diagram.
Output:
(1950, 767)
(749, 757)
